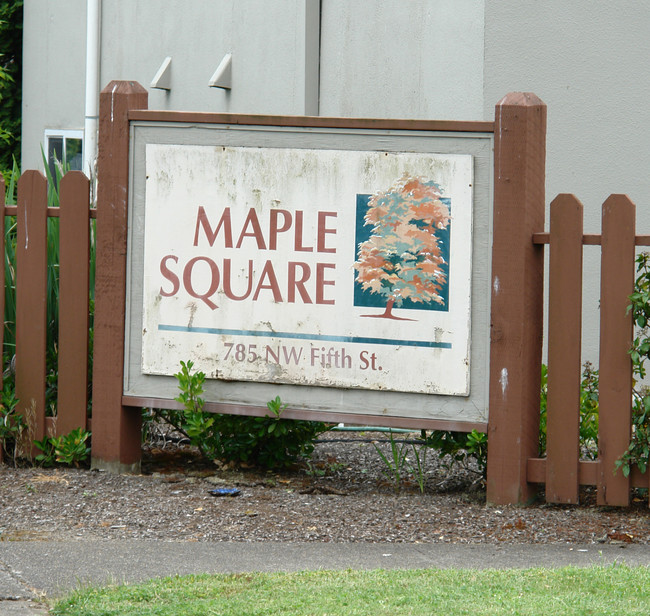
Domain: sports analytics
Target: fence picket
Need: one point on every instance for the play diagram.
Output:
(564, 350)
(74, 265)
(31, 298)
(615, 387)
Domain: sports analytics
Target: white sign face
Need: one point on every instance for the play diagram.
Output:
(307, 266)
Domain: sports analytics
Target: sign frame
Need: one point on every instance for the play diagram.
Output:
(363, 407)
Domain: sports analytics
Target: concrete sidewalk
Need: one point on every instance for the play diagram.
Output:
(31, 569)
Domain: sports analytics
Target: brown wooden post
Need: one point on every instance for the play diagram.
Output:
(74, 266)
(615, 366)
(31, 300)
(116, 428)
(564, 351)
(517, 295)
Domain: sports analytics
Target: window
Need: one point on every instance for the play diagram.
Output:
(66, 147)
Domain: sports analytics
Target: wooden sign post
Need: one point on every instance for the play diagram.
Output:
(116, 428)
(517, 295)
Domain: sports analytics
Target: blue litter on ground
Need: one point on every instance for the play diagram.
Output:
(225, 492)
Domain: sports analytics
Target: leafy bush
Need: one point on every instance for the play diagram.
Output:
(12, 423)
(16, 430)
(588, 412)
(460, 446)
(11, 24)
(69, 449)
(638, 451)
(269, 441)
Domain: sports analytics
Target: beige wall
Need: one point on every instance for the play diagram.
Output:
(269, 41)
(588, 62)
(377, 59)
(274, 47)
(395, 59)
(53, 72)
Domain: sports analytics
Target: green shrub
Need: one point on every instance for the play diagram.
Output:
(588, 412)
(11, 31)
(270, 441)
(12, 423)
(10, 264)
(69, 449)
(638, 451)
(460, 446)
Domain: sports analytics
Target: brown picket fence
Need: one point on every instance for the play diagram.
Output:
(30, 274)
(562, 470)
(516, 329)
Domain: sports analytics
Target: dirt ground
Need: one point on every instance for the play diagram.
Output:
(342, 495)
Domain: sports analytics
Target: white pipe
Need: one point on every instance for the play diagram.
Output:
(93, 35)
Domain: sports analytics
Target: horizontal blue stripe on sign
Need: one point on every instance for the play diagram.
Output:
(352, 339)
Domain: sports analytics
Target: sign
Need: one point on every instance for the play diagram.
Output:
(343, 265)
(313, 267)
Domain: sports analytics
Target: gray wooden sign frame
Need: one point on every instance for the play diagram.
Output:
(362, 407)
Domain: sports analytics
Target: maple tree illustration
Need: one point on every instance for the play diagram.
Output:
(402, 258)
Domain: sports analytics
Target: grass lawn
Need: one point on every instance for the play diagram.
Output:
(600, 591)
